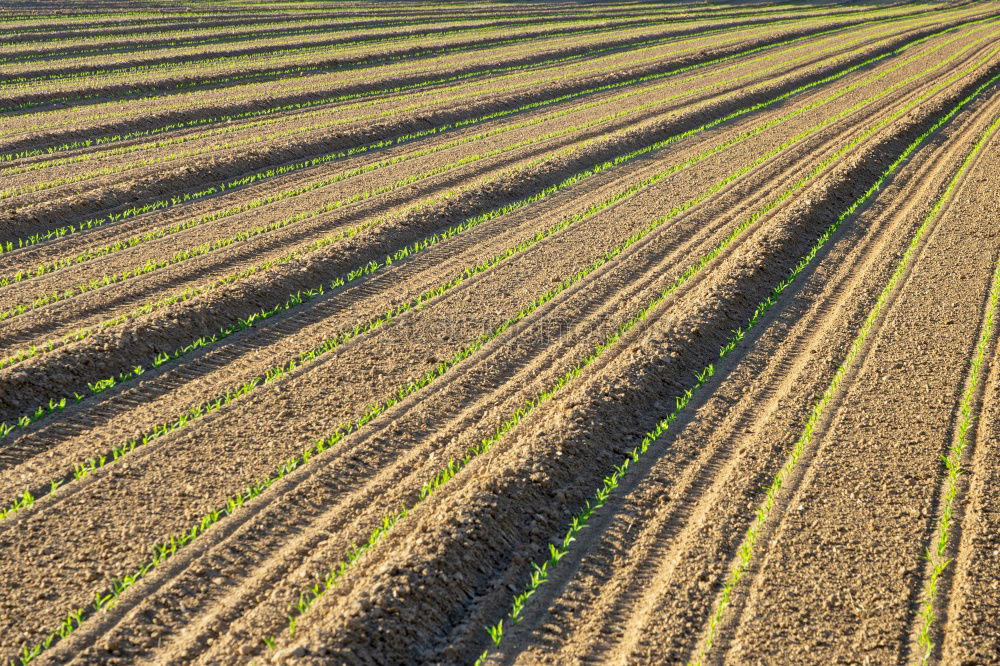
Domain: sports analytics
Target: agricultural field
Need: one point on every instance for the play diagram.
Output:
(499, 333)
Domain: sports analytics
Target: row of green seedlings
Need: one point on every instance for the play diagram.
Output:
(52, 266)
(81, 469)
(189, 292)
(42, 300)
(229, 129)
(307, 599)
(442, 367)
(238, 78)
(300, 297)
(105, 601)
(937, 554)
(247, 180)
(763, 513)
(329, 344)
(43, 185)
(323, 26)
(374, 266)
(233, 12)
(200, 121)
(540, 572)
(509, 71)
(100, 386)
(326, 27)
(295, 52)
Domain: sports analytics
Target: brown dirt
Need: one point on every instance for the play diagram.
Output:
(152, 332)
(310, 86)
(836, 574)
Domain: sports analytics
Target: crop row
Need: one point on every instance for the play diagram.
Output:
(937, 554)
(103, 599)
(805, 439)
(491, 72)
(183, 255)
(540, 572)
(238, 78)
(496, 86)
(572, 28)
(52, 266)
(57, 404)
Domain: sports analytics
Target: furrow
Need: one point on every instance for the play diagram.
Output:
(45, 294)
(870, 592)
(22, 388)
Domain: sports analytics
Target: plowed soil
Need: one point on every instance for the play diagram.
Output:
(470, 333)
